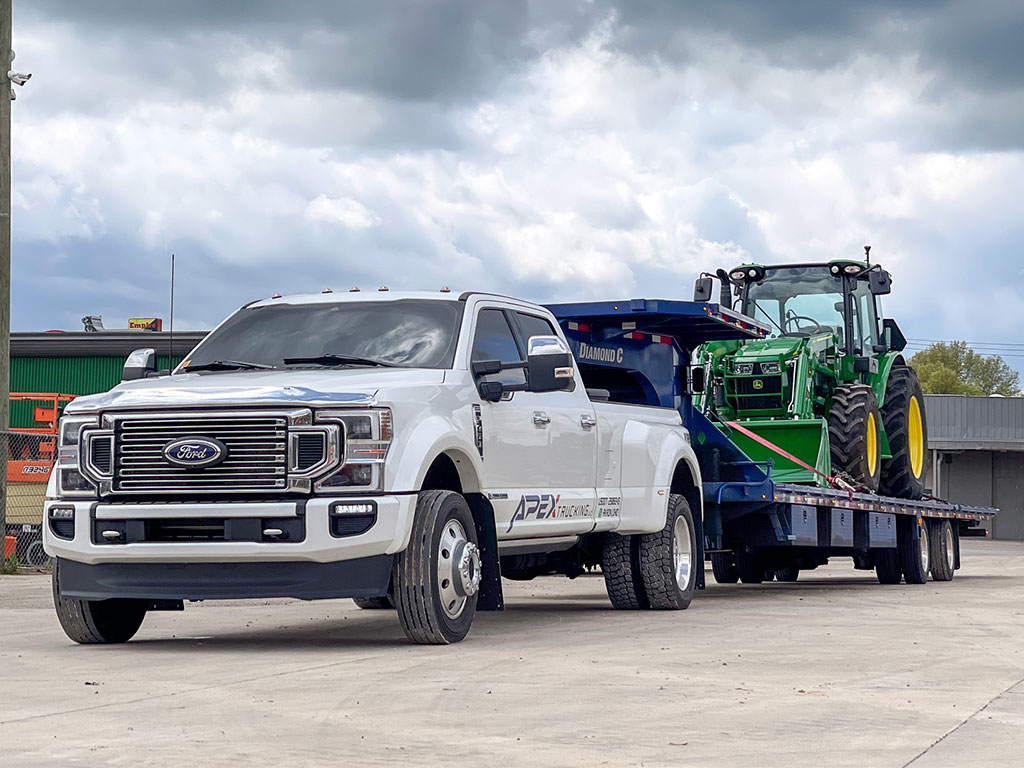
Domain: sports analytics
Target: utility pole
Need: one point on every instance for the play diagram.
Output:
(5, 251)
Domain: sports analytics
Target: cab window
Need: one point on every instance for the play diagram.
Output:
(494, 340)
(531, 325)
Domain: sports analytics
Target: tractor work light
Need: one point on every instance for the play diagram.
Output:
(772, 367)
(851, 269)
(835, 269)
(744, 369)
(738, 275)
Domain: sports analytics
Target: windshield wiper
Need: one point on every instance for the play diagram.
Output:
(332, 359)
(227, 365)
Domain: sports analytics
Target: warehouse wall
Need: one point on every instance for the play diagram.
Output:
(990, 478)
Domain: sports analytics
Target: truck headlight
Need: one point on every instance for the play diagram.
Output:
(772, 367)
(70, 480)
(367, 439)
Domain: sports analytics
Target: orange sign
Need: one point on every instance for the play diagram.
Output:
(28, 471)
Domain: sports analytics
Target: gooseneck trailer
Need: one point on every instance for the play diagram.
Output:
(753, 528)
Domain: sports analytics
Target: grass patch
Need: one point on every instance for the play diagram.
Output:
(8, 565)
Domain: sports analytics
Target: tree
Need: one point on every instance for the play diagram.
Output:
(955, 369)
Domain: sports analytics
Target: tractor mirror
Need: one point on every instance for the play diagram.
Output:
(698, 380)
(702, 289)
(141, 364)
(880, 282)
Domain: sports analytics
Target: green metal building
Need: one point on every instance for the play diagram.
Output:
(80, 363)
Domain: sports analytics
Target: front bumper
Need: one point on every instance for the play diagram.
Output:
(388, 534)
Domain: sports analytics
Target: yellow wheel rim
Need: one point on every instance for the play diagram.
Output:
(872, 445)
(915, 438)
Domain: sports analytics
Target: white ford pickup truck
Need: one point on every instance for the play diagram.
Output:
(403, 449)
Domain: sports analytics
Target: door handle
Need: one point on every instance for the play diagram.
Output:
(541, 419)
(587, 421)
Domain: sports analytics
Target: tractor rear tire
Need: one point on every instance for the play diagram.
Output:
(723, 566)
(907, 431)
(854, 435)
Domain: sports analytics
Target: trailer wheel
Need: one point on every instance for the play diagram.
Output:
(723, 566)
(789, 573)
(374, 603)
(854, 434)
(668, 559)
(907, 432)
(749, 568)
(943, 549)
(437, 577)
(887, 566)
(620, 564)
(95, 622)
(915, 554)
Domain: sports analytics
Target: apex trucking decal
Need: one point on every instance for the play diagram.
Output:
(545, 506)
(599, 354)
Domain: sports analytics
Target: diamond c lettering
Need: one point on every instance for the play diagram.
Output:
(540, 507)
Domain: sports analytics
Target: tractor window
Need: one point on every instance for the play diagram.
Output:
(868, 318)
(798, 301)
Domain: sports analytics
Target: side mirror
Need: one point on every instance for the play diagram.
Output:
(141, 364)
(893, 336)
(698, 380)
(879, 282)
(702, 289)
(548, 364)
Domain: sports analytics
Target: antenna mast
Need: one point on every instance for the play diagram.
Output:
(170, 341)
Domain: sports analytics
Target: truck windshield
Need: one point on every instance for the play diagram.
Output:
(409, 332)
(798, 301)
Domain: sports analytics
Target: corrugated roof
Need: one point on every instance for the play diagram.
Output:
(101, 343)
(958, 422)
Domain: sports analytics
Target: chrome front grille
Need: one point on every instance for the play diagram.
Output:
(257, 454)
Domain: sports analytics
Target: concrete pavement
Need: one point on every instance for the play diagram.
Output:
(832, 670)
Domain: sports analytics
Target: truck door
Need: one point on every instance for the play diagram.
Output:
(539, 447)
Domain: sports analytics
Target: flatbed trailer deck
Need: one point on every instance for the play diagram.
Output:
(752, 528)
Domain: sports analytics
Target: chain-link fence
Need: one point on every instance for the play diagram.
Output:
(30, 457)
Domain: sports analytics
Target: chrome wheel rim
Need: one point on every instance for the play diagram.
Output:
(681, 556)
(922, 535)
(458, 569)
(950, 548)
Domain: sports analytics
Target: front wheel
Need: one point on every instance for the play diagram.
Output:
(437, 577)
(668, 559)
(97, 622)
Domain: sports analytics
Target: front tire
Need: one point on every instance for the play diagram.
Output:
(854, 435)
(907, 431)
(96, 622)
(437, 577)
(668, 559)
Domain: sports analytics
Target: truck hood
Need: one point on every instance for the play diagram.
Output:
(349, 386)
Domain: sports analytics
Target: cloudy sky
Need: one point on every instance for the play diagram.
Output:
(552, 149)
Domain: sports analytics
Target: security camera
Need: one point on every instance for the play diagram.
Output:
(19, 78)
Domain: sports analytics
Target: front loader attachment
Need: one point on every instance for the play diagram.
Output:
(806, 439)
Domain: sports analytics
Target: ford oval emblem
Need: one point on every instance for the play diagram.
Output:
(195, 452)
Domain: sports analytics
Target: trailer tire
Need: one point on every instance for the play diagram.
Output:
(915, 554)
(854, 435)
(96, 622)
(723, 566)
(943, 549)
(374, 603)
(749, 568)
(437, 577)
(620, 564)
(887, 566)
(668, 559)
(789, 573)
(906, 428)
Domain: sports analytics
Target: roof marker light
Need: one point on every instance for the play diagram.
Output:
(354, 289)
(276, 296)
(326, 290)
(751, 273)
(382, 288)
(445, 289)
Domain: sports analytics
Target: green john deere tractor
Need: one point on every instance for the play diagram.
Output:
(829, 385)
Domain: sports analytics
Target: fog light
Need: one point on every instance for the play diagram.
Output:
(350, 518)
(62, 522)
